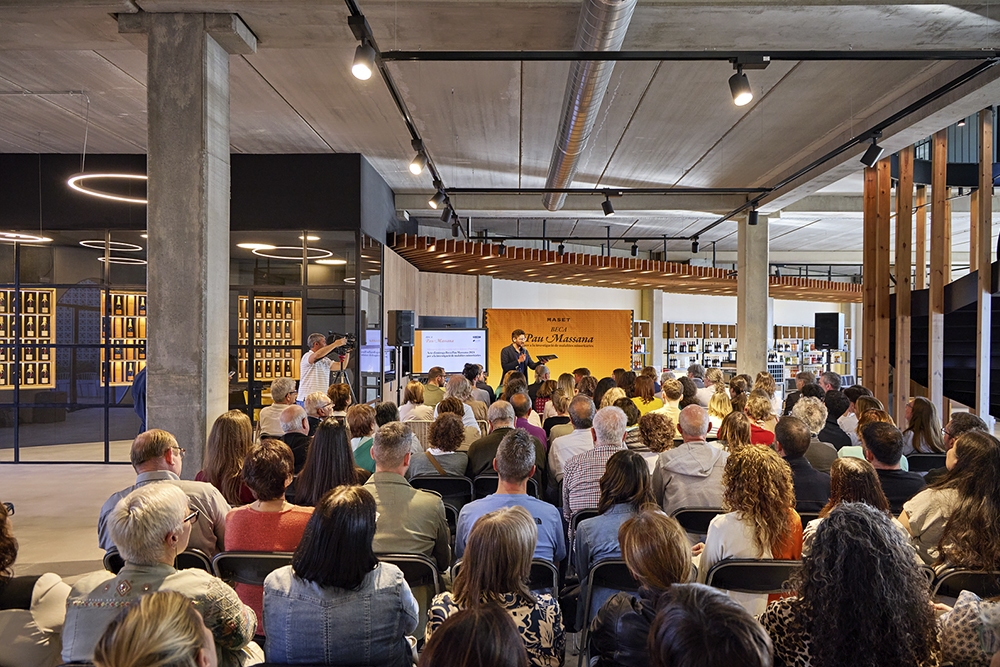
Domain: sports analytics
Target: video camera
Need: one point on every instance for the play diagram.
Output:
(349, 346)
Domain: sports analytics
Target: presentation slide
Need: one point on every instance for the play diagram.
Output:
(450, 349)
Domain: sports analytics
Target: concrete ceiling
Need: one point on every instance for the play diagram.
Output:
(492, 124)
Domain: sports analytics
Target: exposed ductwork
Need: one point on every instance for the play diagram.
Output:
(602, 27)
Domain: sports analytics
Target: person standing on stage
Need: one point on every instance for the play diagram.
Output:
(315, 367)
(515, 357)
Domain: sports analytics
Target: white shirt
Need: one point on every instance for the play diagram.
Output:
(409, 411)
(313, 377)
(730, 537)
(468, 417)
(270, 419)
(848, 422)
(566, 447)
(704, 395)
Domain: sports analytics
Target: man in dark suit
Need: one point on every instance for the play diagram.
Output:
(883, 445)
(836, 405)
(812, 487)
(515, 357)
(802, 378)
(482, 452)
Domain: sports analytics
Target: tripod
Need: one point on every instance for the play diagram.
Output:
(341, 377)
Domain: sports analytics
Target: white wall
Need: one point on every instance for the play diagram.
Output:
(801, 313)
(542, 296)
(722, 309)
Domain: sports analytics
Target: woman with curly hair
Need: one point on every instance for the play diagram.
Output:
(761, 522)
(954, 522)
(734, 432)
(587, 386)
(861, 599)
(765, 382)
(446, 435)
(657, 431)
(229, 442)
(923, 428)
(759, 410)
(610, 396)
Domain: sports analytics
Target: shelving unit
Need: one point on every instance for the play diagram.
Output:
(125, 329)
(36, 318)
(274, 324)
(640, 344)
(720, 345)
(684, 344)
(795, 350)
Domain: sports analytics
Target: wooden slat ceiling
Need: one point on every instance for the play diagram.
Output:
(547, 266)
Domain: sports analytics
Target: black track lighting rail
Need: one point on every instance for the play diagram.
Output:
(607, 192)
(495, 237)
(688, 56)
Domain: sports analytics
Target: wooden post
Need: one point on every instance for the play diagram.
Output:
(868, 279)
(974, 230)
(904, 229)
(983, 259)
(920, 245)
(939, 234)
(947, 235)
(883, 226)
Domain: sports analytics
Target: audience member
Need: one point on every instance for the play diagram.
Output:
(970, 632)
(32, 609)
(836, 405)
(632, 417)
(458, 387)
(811, 487)
(611, 396)
(543, 399)
(738, 386)
(560, 404)
(922, 434)
(960, 423)
(587, 386)
(229, 441)
(318, 407)
(812, 412)
(739, 403)
(762, 421)
(602, 387)
(361, 423)
(719, 407)
(500, 547)
(714, 380)
(515, 463)
(541, 377)
(829, 381)
(848, 421)
(883, 445)
(582, 473)
(336, 603)
(802, 378)
(865, 418)
(433, 392)
(690, 475)
(456, 407)
(481, 383)
(700, 626)
(295, 425)
(761, 522)
(385, 412)
(150, 526)
(161, 628)
(645, 397)
(340, 395)
(657, 432)
(481, 636)
(690, 391)
(522, 406)
(656, 551)
(628, 383)
(413, 404)
(734, 432)
(283, 394)
(446, 434)
(270, 523)
(580, 373)
(860, 598)
(157, 458)
(672, 391)
(329, 464)
(483, 451)
(650, 372)
(474, 374)
(581, 414)
(618, 374)
(765, 382)
(411, 521)
(696, 373)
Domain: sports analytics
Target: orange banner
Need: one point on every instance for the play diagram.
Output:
(600, 340)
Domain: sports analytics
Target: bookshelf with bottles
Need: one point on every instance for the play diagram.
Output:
(32, 320)
(795, 349)
(123, 337)
(275, 325)
(641, 357)
(683, 344)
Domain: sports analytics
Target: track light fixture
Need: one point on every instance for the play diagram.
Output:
(961, 123)
(739, 86)
(418, 163)
(502, 250)
(752, 217)
(455, 227)
(873, 153)
(437, 201)
(562, 249)
(364, 61)
(635, 249)
(694, 246)
(609, 210)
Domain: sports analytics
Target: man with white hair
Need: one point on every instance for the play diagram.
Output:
(282, 395)
(582, 474)
(565, 447)
(483, 451)
(812, 412)
(295, 426)
(690, 475)
(315, 365)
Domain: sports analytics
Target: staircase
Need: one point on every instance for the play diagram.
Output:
(959, 339)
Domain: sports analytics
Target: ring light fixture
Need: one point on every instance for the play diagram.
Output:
(76, 182)
(98, 244)
(295, 250)
(256, 246)
(122, 260)
(332, 262)
(17, 237)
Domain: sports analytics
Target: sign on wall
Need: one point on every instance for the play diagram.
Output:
(600, 340)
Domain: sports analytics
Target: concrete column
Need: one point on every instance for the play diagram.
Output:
(484, 294)
(188, 219)
(652, 310)
(751, 297)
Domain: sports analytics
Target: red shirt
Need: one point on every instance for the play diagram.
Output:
(758, 436)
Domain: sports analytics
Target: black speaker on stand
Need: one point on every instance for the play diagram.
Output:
(401, 332)
(829, 333)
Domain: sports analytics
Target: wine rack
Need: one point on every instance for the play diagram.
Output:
(276, 328)
(640, 344)
(123, 337)
(36, 316)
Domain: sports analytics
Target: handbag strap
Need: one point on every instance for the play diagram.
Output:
(434, 462)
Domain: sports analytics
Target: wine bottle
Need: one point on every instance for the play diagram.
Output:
(29, 374)
(142, 305)
(29, 302)
(3, 302)
(43, 354)
(119, 305)
(288, 330)
(130, 327)
(142, 349)
(43, 327)
(267, 309)
(258, 309)
(288, 310)
(29, 327)
(3, 326)
(43, 373)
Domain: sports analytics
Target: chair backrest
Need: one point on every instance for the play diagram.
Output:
(544, 575)
(580, 515)
(190, 558)
(113, 561)
(418, 570)
(925, 462)
(484, 426)
(422, 429)
(807, 517)
(249, 567)
(449, 486)
(609, 573)
(749, 575)
(952, 582)
(696, 519)
(487, 483)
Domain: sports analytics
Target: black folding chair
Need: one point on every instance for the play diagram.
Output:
(190, 558)
(750, 575)
(582, 515)
(486, 484)
(608, 573)
(951, 582)
(807, 517)
(925, 462)
(249, 567)
(454, 489)
(696, 519)
(544, 576)
(418, 570)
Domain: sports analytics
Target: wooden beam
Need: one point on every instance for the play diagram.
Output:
(938, 256)
(868, 279)
(883, 227)
(983, 259)
(920, 245)
(947, 235)
(974, 230)
(904, 233)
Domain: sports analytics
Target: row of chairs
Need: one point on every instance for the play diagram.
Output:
(454, 486)
(422, 429)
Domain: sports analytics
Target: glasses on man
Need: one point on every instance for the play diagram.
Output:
(179, 449)
(945, 431)
(192, 517)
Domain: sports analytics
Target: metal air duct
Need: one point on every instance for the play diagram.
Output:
(602, 27)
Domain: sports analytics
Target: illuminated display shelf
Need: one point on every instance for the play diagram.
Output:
(36, 317)
(276, 325)
(125, 331)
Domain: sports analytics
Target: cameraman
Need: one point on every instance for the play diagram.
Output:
(315, 368)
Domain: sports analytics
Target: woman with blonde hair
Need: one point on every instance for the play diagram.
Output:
(612, 395)
(923, 428)
(759, 410)
(495, 570)
(229, 442)
(162, 629)
(734, 432)
(719, 405)
(413, 404)
(761, 521)
(560, 404)
(765, 382)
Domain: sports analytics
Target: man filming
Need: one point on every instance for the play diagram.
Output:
(515, 357)
(315, 367)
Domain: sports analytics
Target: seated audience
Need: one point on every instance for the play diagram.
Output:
(336, 603)
(385, 412)
(454, 406)
(413, 404)
(560, 404)
(922, 434)
(318, 407)
(696, 373)
(582, 473)
(434, 389)
(330, 464)
(500, 547)
(829, 381)
(283, 394)
(812, 412)
(567, 384)
(472, 410)
(340, 394)
(734, 432)
(656, 551)
(587, 386)
(618, 374)
(543, 397)
(362, 426)
(836, 405)
(480, 636)
(581, 415)
(632, 416)
(802, 378)
(698, 625)
(229, 442)
(848, 421)
(714, 382)
(739, 403)
(611, 396)
(474, 374)
(719, 407)
(156, 457)
(442, 457)
(689, 393)
(32, 609)
(150, 526)
(645, 397)
(510, 376)
(627, 383)
(960, 423)
(541, 377)
(482, 382)
(295, 424)
(656, 432)
(738, 386)
(765, 382)
(812, 487)
(580, 373)
(514, 463)
(270, 523)
(652, 374)
(602, 387)
(865, 418)
(671, 393)
(883, 444)
(761, 522)
(954, 523)
(411, 521)
(484, 450)
(690, 475)
(762, 419)
(861, 599)
(522, 406)
(161, 629)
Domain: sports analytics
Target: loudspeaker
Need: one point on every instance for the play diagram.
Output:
(401, 328)
(829, 331)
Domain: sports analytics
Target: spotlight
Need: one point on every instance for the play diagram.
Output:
(418, 164)
(609, 210)
(739, 86)
(961, 123)
(872, 155)
(502, 250)
(562, 249)
(437, 200)
(752, 217)
(446, 214)
(694, 246)
(364, 61)
(455, 228)
(635, 249)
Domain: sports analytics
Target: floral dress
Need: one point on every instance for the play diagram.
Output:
(539, 624)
